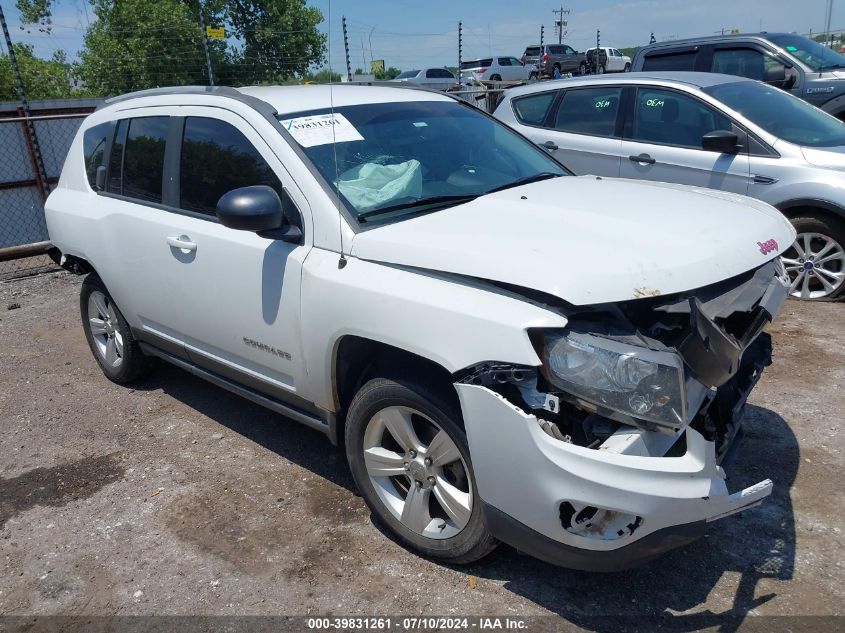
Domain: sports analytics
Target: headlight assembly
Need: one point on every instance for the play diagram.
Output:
(634, 381)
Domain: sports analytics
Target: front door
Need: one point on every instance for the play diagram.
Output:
(663, 143)
(237, 294)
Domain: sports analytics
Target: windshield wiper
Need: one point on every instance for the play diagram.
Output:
(436, 201)
(525, 181)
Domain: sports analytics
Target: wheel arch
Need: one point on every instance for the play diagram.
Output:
(357, 359)
(794, 208)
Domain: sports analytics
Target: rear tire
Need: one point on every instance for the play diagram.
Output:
(582, 69)
(495, 78)
(109, 336)
(410, 460)
(816, 261)
(601, 69)
(627, 68)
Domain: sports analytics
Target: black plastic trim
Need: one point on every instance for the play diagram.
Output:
(796, 203)
(508, 530)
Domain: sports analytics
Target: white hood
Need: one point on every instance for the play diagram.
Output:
(587, 240)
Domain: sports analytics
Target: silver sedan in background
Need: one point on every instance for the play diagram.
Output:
(708, 130)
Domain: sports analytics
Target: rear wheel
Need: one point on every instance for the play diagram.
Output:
(409, 456)
(601, 70)
(582, 69)
(816, 260)
(495, 78)
(627, 68)
(109, 337)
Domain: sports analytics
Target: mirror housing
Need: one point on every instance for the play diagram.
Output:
(721, 141)
(255, 208)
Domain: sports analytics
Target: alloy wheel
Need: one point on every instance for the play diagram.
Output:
(418, 472)
(816, 266)
(105, 331)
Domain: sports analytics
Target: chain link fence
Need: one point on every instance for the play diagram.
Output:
(23, 188)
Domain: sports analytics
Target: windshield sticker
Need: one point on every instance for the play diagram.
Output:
(791, 49)
(321, 129)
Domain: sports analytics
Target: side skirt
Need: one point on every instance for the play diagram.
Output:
(308, 419)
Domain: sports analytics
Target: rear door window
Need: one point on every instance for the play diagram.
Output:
(143, 160)
(590, 111)
(504, 61)
(684, 60)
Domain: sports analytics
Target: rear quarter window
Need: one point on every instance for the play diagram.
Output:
(532, 109)
(94, 150)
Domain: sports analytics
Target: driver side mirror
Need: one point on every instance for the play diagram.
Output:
(777, 76)
(258, 208)
(721, 141)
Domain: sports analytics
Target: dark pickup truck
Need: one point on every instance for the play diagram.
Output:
(551, 56)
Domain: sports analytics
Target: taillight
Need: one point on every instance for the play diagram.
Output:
(481, 70)
(545, 57)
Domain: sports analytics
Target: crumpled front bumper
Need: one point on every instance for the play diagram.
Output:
(590, 509)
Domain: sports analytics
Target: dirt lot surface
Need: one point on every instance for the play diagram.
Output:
(175, 497)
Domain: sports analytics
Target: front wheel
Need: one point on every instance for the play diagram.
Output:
(582, 69)
(816, 260)
(627, 68)
(410, 460)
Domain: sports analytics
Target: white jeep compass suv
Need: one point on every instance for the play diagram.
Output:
(406, 274)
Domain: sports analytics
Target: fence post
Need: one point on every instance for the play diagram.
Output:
(460, 52)
(32, 138)
(346, 51)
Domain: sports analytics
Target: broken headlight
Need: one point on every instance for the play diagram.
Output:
(635, 381)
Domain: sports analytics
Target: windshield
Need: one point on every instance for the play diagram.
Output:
(532, 51)
(781, 114)
(477, 63)
(408, 74)
(397, 159)
(812, 53)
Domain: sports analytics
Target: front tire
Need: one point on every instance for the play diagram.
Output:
(815, 262)
(410, 460)
(582, 69)
(108, 334)
(627, 68)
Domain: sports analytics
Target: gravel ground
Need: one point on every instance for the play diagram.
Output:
(176, 498)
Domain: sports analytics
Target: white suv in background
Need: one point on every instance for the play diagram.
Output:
(395, 269)
(431, 78)
(495, 69)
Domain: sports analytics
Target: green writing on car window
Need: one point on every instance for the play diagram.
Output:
(603, 103)
(791, 49)
(654, 103)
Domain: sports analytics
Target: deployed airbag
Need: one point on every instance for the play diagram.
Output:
(371, 185)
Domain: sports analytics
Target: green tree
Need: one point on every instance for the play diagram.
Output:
(136, 44)
(277, 39)
(42, 78)
(387, 73)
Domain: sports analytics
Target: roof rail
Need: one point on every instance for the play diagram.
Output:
(213, 91)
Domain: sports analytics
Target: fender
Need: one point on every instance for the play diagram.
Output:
(835, 106)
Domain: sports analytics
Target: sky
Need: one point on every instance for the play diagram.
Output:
(413, 33)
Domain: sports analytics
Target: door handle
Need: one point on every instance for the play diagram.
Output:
(642, 158)
(549, 145)
(182, 242)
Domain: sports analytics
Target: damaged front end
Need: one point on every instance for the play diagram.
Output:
(631, 413)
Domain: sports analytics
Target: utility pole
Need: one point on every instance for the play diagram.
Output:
(542, 30)
(560, 23)
(38, 159)
(827, 23)
(346, 50)
(204, 37)
(598, 51)
(460, 49)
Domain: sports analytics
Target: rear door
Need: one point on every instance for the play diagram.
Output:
(581, 127)
(438, 79)
(662, 142)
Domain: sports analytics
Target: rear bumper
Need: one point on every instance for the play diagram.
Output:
(602, 510)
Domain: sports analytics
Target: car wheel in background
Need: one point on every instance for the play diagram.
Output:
(495, 78)
(627, 68)
(815, 262)
(109, 337)
(410, 460)
(601, 69)
(582, 69)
